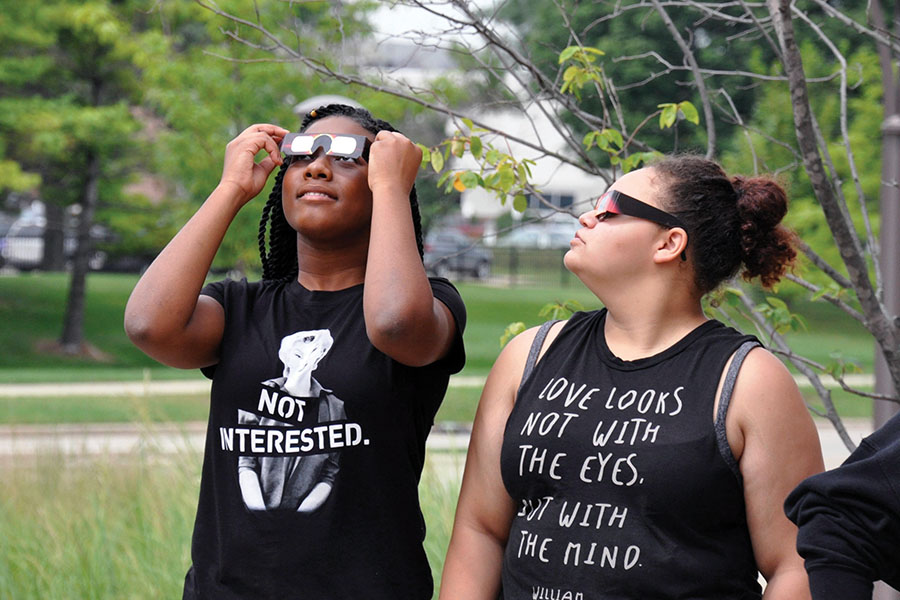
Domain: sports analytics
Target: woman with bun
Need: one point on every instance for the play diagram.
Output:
(643, 450)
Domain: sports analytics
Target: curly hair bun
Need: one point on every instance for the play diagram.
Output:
(767, 248)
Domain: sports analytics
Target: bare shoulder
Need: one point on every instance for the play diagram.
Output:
(768, 407)
(765, 376)
(506, 374)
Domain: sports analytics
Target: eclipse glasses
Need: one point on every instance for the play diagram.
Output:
(332, 144)
(614, 201)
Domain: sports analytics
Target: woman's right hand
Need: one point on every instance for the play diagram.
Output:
(241, 169)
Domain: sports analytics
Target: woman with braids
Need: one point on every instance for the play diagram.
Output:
(326, 374)
(643, 450)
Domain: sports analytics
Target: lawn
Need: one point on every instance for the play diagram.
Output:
(31, 306)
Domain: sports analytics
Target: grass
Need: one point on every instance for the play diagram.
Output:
(120, 528)
(105, 529)
(31, 306)
(101, 409)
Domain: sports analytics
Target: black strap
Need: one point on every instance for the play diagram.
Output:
(535, 350)
(724, 401)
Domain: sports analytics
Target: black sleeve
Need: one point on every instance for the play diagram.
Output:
(444, 291)
(215, 290)
(849, 520)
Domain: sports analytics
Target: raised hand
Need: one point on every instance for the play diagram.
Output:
(241, 169)
(393, 162)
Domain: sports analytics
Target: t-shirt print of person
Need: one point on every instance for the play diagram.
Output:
(294, 482)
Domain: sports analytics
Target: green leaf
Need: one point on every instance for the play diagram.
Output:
(614, 137)
(437, 161)
(492, 156)
(511, 331)
(458, 148)
(507, 176)
(668, 115)
(568, 53)
(468, 123)
(426, 154)
(470, 179)
(590, 139)
(520, 202)
(475, 146)
(689, 111)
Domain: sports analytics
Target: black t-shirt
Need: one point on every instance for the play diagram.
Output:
(314, 449)
(849, 519)
(625, 484)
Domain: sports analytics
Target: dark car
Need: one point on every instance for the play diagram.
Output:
(450, 252)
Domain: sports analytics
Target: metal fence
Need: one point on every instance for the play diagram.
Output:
(527, 267)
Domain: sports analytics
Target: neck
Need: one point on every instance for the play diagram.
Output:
(644, 322)
(329, 268)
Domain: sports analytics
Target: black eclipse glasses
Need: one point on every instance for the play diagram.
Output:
(614, 201)
(332, 144)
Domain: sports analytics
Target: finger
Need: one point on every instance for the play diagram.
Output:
(267, 128)
(268, 165)
(274, 150)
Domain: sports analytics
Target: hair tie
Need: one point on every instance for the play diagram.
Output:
(313, 114)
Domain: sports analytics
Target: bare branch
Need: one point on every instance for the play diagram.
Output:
(877, 320)
(828, 297)
(780, 345)
(845, 133)
(698, 78)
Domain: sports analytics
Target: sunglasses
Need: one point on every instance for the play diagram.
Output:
(614, 201)
(333, 144)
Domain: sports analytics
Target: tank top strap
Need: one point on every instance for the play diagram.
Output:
(724, 401)
(535, 350)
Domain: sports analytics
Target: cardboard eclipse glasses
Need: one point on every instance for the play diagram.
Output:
(332, 144)
(614, 201)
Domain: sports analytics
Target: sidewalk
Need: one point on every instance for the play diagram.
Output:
(201, 386)
(167, 438)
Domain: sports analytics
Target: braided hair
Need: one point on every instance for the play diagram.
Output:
(277, 239)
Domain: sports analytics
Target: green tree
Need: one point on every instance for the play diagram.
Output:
(205, 86)
(728, 54)
(69, 82)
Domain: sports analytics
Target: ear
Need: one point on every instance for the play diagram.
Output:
(670, 246)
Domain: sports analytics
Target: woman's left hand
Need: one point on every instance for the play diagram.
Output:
(393, 162)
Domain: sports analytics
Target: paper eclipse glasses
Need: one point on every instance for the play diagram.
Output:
(332, 144)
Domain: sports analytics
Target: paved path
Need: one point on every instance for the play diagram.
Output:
(18, 442)
(201, 386)
(29, 441)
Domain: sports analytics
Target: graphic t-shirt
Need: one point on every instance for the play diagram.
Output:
(625, 488)
(314, 448)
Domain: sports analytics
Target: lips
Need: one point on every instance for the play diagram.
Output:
(316, 196)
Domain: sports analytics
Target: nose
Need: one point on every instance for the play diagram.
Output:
(319, 167)
(588, 219)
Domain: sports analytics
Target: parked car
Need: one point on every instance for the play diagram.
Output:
(23, 245)
(448, 251)
(539, 236)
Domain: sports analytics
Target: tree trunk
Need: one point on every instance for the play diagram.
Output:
(53, 258)
(73, 324)
(879, 324)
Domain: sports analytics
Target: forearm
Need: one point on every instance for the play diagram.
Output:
(788, 584)
(165, 297)
(402, 318)
(473, 565)
(316, 497)
(250, 489)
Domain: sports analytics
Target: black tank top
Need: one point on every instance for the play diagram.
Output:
(625, 484)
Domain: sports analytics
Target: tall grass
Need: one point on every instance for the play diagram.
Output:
(86, 528)
(102, 527)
